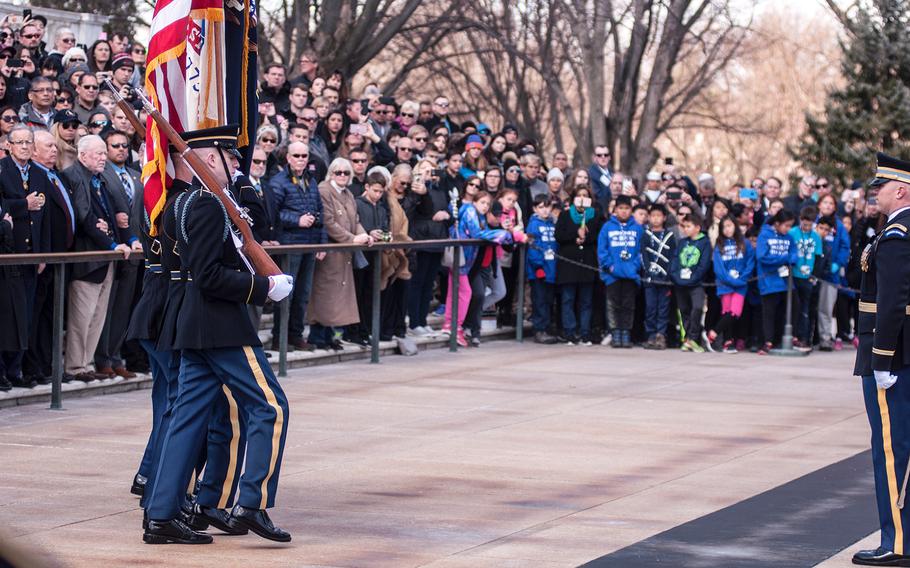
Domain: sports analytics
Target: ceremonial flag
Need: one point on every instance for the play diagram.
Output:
(184, 79)
(240, 23)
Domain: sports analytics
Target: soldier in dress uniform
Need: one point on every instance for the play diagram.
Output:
(221, 457)
(883, 360)
(219, 348)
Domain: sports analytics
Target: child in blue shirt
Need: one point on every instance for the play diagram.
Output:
(688, 269)
(541, 267)
(808, 249)
(619, 255)
(734, 264)
(775, 254)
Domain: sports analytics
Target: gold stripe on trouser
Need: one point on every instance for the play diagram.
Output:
(191, 488)
(891, 474)
(279, 419)
(235, 445)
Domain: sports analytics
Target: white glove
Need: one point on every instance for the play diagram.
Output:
(280, 286)
(884, 379)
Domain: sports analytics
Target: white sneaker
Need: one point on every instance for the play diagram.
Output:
(417, 331)
(428, 330)
(607, 340)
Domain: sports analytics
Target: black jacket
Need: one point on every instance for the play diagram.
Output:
(91, 205)
(13, 299)
(59, 216)
(170, 266)
(423, 226)
(31, 231)
(257, 201)
(145, 321)
(214, 313)
(566, 233)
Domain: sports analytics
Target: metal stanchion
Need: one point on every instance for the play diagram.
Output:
(520, 308)
(453, 288)
(57, 362)
(377, 282)
(786, 347)
(284, 307)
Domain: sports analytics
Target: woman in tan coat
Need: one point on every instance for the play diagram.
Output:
(333, 302)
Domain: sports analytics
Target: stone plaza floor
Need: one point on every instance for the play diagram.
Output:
(510, 455)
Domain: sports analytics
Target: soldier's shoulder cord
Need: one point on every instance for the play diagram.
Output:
(182, 206)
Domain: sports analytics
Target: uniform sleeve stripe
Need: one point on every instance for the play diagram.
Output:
(867, 307)
(884, 352)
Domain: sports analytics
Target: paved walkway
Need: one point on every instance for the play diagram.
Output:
(507, 455)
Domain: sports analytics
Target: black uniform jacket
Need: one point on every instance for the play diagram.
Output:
(170, 265)
(884, 306)
(149, 311)
(219, 285)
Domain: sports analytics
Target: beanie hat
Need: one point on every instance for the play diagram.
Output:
(474, 141)
(121, 60)
(555, 173)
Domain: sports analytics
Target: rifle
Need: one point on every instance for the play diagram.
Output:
(127, 109)
(249, 249)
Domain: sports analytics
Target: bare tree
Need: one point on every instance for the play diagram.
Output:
(347, 35)
(590, 71)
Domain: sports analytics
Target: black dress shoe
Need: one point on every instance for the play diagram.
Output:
(189, 518)
(23, 383)
(218, 518)
(880, 557)
(174, 531)
(138, 487)
(257, 521)
(5, 385)
(336, 345)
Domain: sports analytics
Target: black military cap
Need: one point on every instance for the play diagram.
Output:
(224, 137)
(890, 168)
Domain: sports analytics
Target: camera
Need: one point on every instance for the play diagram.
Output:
(674, 195)
(15, 64)
(436, 173)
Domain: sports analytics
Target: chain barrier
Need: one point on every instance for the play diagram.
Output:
(600, 270)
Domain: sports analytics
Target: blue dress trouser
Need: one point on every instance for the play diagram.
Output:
(657, 308)
(889, 417)
(245, 371)
(221, 456)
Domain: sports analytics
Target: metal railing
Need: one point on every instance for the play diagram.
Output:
(61, 259)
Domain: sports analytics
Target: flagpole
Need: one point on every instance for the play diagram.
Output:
(219, 71)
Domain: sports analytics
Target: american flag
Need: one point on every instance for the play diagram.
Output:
(182, 82)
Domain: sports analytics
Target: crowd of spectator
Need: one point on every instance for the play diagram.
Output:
(670, 262)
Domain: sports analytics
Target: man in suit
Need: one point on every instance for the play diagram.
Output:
(23, 190)
(601, 175)
(90, 288)
(256, 197)
(60, 216)
(124, 183)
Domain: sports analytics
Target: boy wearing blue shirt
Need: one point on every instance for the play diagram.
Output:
(688, 271)
(619, 255)
(808, 248)
(541, 267)
(775, 254)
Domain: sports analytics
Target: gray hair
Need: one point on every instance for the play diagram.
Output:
(87, 141)
(21, 128)
(337, 164)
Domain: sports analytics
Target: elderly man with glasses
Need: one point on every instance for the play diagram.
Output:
(299, 208)
(23, 190)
